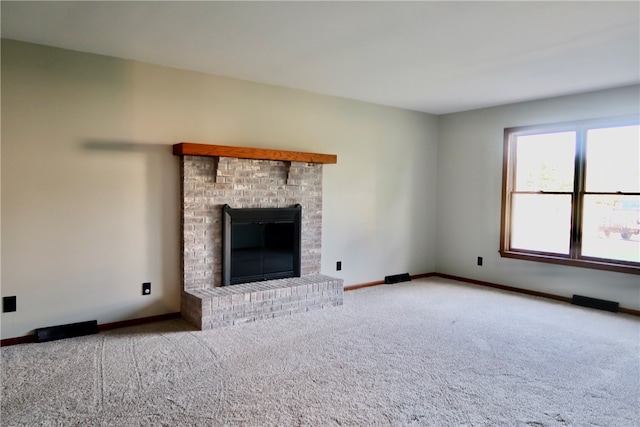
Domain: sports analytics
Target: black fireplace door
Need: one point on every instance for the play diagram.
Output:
(260, 244)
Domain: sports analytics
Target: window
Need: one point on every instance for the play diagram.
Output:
(571, 194)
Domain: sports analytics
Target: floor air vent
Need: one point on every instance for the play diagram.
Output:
(600, 304)
(397, 278)
(71, 330)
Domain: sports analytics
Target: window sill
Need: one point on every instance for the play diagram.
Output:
(629, 268)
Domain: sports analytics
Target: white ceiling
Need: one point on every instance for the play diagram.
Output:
(436, 57)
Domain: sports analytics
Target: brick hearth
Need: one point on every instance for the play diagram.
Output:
(208, 183)
(247, 302)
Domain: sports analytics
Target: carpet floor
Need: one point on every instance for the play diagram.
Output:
(431, 352)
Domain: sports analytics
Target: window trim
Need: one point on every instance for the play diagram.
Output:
(577, 196)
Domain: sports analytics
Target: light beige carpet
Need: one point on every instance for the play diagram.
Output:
(431, 352)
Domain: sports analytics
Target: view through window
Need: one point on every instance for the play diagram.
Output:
(571, 194)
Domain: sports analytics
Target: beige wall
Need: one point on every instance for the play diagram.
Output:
(469, 197)
(90, 190)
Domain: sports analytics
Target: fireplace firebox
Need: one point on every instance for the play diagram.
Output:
(260, 244)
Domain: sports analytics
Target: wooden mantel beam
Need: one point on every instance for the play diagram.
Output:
(194, 149)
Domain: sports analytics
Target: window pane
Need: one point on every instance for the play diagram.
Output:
(545, 162)
(541, 222)
(613, 160)
(610, 227)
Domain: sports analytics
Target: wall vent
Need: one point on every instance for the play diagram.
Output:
(600, 304)
(71, 330)
(397, 278)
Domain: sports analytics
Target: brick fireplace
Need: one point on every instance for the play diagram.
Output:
(213, 176)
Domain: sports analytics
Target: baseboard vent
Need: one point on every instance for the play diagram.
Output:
(71, 330)
(397, 278)
(600, 304)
